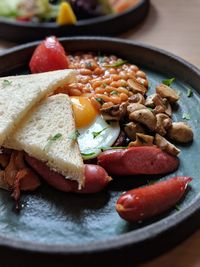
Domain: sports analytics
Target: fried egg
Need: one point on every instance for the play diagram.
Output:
(94, 132)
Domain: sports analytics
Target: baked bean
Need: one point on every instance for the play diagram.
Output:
(134, 68)
(115, 77)
(122, 90)
(98, 71)
(74, 92)
(95, 103)
(99, 90)
(124, 97)
(141, 74)
(107, 105)
(85, 72)
(115, 99)
(104, 97)
(110, 89)
(142, 81)
(121, 83)
(112, 71)
(114, 84)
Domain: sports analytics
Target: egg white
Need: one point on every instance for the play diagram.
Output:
(96, 136)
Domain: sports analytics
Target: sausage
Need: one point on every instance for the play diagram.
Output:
(137, 160)
(96, 178)
(142, 203)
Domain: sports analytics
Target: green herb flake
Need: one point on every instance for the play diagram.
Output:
(73, 136)
(177, 208)
(6, 83)
(100, 100)
(189, 92)
(95, 134)
(52, 139)
(151, 109)
(186, 116)
(114, 93)
(101, 58)
(88, 65)
(104, 84)
(168, 82)
(88, 154)
(112, 147)
(117, 64)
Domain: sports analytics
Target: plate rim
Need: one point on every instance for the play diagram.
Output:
(126, 239)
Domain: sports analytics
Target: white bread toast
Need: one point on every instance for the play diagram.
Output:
(47, 133)
(18, 94)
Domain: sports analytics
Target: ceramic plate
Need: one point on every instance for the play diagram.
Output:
(74, 229)
(106, 25)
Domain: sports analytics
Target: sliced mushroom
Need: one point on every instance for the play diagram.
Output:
(135, 106)
(137, 98)
(136, 87)
(149, 101)
(111, 113)
(167, 92)
(144, 116)
(163, 123)
(180, 132)
(142, 140)
(165, 145)
(161, 105)
(132, 128)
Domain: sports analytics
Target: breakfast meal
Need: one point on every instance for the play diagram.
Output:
(62, 12)
(83, 119)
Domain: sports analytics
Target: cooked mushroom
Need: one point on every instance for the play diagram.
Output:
(149, 101)
(167, 92)
(3, 183)
(111, 113)
(180, 132)
(165, 145)
(163, 123)
(132, 128)
(137, 98)
(135, 106)
(144, 116)
(142, 140)
(136, 87)
(161, 105)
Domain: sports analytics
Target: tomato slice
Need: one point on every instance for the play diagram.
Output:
(48, 56)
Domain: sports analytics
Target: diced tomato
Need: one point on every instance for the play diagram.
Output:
(23, 19)
(48, 56)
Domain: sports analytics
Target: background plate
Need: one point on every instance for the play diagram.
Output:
(106, 25)
(76, 230)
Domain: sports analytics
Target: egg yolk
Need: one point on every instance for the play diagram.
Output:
(84, 112)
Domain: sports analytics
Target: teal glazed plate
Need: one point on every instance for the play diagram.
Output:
(62, 229)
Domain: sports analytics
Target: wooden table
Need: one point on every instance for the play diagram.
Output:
(172, 25)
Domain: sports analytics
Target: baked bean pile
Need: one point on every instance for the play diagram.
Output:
(105, 79)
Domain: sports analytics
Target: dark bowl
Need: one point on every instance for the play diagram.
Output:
(16, 31)
(58, 229)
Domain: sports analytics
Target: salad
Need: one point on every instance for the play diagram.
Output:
(61, 12)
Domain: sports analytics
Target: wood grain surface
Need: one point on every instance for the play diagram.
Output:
(173, 25)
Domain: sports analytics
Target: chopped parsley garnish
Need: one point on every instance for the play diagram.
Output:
(52, 139)
(186, 116)
(6, 83)
(88, 65)
(114, 93)
(117, 64)
(177, 207)
(101, 58)
(168, 82)
(95, 134)
(189, 92)
(104, 84)
(74, 135)
(87, 154)
(100, 100)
